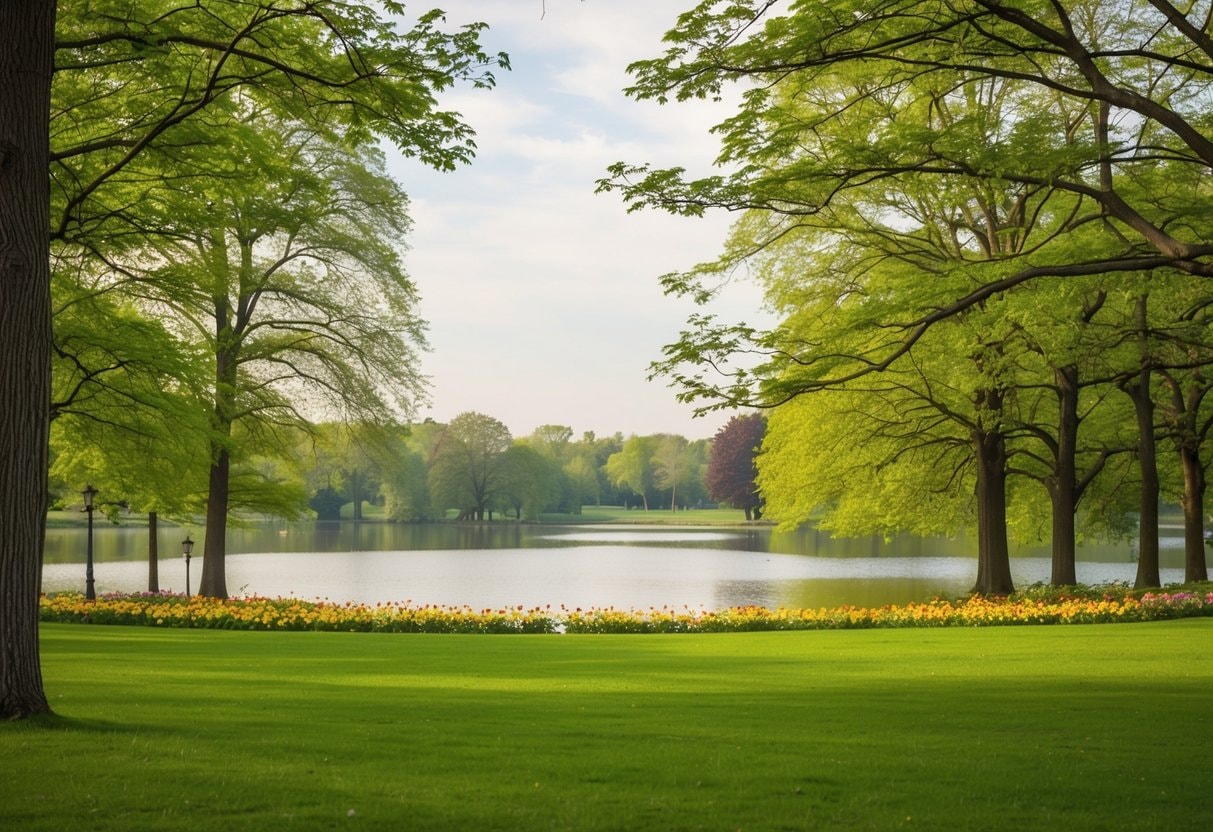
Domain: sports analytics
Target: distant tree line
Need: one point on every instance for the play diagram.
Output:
(473, 469)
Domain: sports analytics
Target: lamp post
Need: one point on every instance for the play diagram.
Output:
(89, 591)
(187, 546)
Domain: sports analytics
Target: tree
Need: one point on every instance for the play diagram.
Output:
(27, 30)
(1138, 387)
(581, 476)
(596, 452)
(675, 463)
(1135, 74)
(124, 395)
(632, 467)
(732, 469)
(337, 62)
(1068, 451)
(470, 469)
(853, 114)
(1189, 423)
(531, 481)
(554, 443)
(880, 252)
(405, 485)
(874, 465)
(1182, 355)
(354, 460)
(552, 440)
(293, 284)
(405, 493)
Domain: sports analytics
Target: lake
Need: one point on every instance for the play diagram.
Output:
(626, 567)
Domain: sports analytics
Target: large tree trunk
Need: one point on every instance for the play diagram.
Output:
(1195, 567)
(1064, 485)
(1183, 421)
(153, 553)
(213, 583)
(1147, 457)
(27, 34)
(993, 553)
(1147, 460)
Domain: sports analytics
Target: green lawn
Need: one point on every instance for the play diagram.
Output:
(1026, 728)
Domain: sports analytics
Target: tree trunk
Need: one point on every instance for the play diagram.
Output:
(27, 33)
(1183, 421)
(1147, 458)
(153, 554)
(1195, 567)
(1063, 487)
(213, 583)
(993, 553)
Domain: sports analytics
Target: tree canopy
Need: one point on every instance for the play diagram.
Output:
(732, 471)
(849, 96)
(916, 182)
(138, 91)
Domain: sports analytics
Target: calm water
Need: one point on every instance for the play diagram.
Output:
(575, 566)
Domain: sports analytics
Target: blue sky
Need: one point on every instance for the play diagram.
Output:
(543, 297)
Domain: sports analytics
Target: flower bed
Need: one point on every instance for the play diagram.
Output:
(1036, 606)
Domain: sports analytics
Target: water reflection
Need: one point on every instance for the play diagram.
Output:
(503, 564)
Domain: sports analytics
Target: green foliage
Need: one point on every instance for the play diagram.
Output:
(128, 76)
(632, 466)
(676, 463)
(581, 480)
(216, 173)
(406, 496)
(906, 177)
(468, 469)
(857, 121)
(863, 469)
(531, 482)
(126, 411)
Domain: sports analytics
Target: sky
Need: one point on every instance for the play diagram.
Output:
(542, 297)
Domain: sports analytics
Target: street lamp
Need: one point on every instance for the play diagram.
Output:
(187, 546)
(89, 592)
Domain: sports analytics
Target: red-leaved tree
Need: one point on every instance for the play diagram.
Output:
(732, 469)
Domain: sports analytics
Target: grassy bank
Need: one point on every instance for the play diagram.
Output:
(1079, 727)
(655, 516)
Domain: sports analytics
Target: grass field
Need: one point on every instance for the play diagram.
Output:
(1064, 727)
(654, 516)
